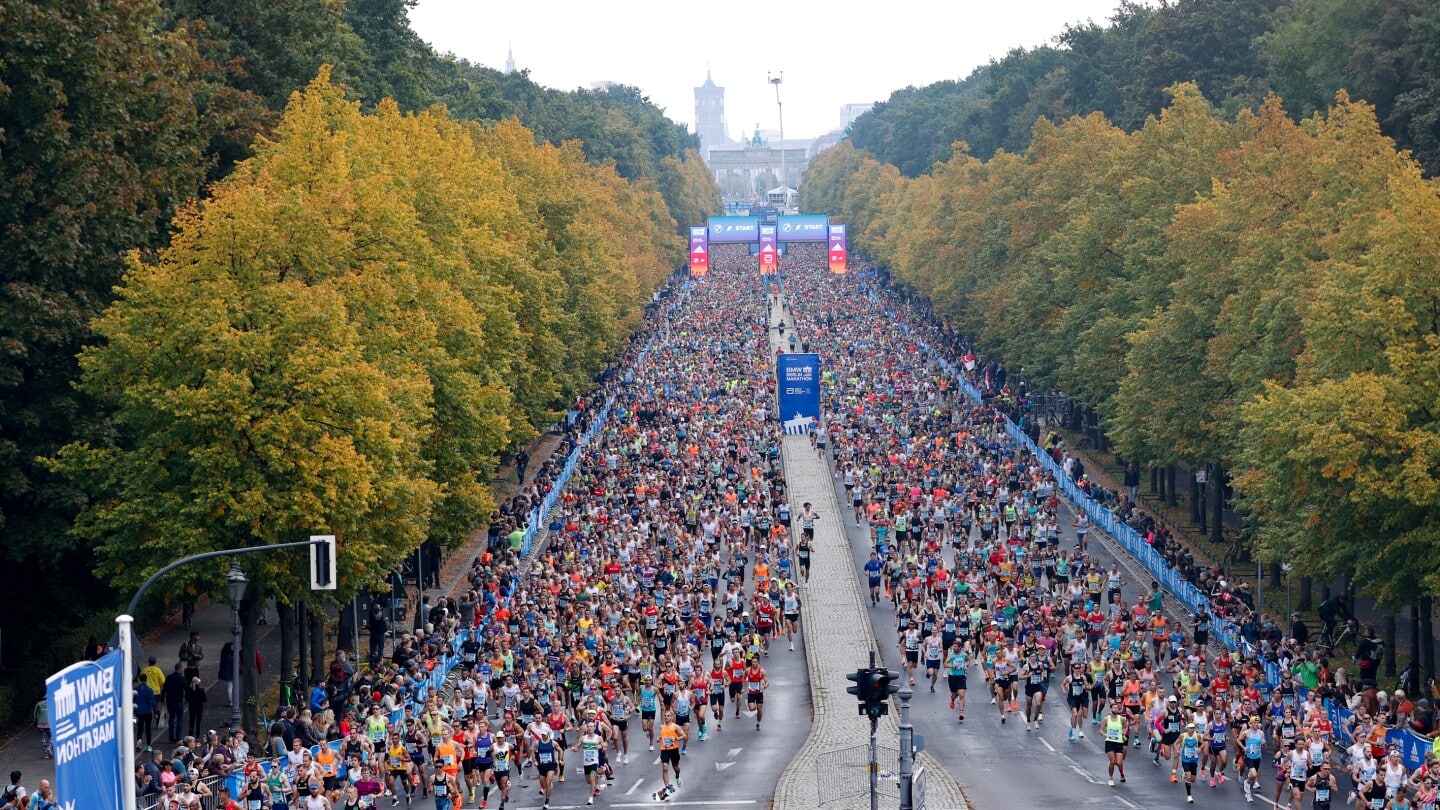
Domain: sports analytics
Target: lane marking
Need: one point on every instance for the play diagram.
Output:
(734, 752)
(636, 786)
(1084, 774)
(1047, 744)
(720, 766)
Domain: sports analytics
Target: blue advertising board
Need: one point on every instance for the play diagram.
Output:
(804, 228)
(84, 704)
(734, 229)
(797, 387)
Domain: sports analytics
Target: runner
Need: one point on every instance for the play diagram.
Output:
(956, 665)
(590, 745)
(670, 735)
(1189, 745)
(756, 683)
(1116, 727)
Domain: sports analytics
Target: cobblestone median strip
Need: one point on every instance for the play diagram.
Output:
(838, 639)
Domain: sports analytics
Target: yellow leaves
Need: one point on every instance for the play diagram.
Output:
(351, 328)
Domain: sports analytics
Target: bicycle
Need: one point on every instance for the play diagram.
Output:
(1330, 642)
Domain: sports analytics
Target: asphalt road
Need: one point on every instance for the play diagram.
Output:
(1005, 766)
(737, 767)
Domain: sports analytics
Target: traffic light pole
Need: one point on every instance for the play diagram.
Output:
(874, 766)
(907, 750)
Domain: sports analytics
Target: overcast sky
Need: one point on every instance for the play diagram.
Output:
(831, 53)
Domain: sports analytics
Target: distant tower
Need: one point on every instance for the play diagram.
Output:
(710, 116)
(510, 60)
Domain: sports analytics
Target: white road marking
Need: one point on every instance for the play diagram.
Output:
(636, 786)
(734, 752)
(1084, 774)
(1047, 744)
(720, 766)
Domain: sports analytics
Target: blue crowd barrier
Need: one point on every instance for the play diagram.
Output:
(1412, 746)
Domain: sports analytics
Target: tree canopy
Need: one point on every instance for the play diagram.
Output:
(1234, 51)
(1252, 293)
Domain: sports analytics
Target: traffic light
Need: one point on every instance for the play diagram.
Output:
(883, 684)
(861, 689)
(322, 562)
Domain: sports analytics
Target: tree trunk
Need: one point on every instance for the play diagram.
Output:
(1154, 480)
(285, 615)
(250, 608)
(1306, 600)
(317, 644)
(1413, 687)
(1217, 503)
(1171, 493)
(1197, 515)
(347, 628)
(1275, 575)
(1427, 641)
(1387, 626)
(302, 622)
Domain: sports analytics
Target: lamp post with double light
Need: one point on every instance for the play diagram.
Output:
(776, 79)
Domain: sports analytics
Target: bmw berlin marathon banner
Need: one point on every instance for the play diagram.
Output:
(699, 250)
(84, 704)
(797, 387)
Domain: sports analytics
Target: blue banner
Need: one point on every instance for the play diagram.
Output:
(734, 229)
(797, 384)
(84, 704)
(804, 228)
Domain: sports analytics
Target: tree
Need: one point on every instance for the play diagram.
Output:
(105, 123)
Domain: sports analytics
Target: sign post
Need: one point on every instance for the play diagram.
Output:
(699, 250)
(797, 386)
(87, 703)
(837, 249)
(768, 259)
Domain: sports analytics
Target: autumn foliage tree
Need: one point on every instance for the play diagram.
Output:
(344, 336)
(1251, 294)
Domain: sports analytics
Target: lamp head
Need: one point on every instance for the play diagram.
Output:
(237, 582)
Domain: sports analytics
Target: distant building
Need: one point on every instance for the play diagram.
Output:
(510, 60)
(850, 112)
(710, 117)
(752, 168)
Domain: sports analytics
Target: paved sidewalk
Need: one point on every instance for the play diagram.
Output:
(838, 640)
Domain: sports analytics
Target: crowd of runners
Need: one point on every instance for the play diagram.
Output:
(990, 577)
(670, 571)
(667, 577)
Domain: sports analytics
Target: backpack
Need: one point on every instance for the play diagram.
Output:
(11, 795)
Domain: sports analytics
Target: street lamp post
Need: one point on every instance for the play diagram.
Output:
(776, 79)
(124, 641)
(237, 592)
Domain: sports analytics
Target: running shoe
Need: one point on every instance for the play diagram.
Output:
(1112, 783)
(1173, 778)
(952, 703)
